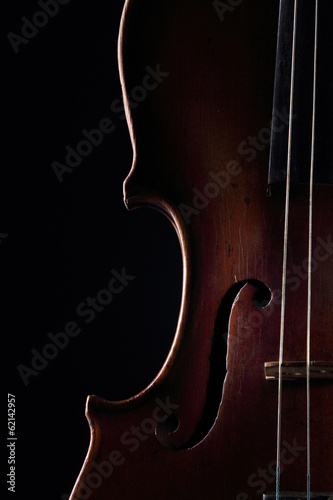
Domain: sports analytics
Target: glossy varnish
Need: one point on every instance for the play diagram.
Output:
(201, 154)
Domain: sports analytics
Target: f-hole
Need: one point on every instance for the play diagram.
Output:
(261, 298)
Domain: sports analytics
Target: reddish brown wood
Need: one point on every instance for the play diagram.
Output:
(193, 127)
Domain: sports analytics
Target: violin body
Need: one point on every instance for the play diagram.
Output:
(201, 137)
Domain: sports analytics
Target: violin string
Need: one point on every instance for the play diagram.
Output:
(308, 329)
(285, 252)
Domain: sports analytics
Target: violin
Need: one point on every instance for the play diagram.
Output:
(232, 142)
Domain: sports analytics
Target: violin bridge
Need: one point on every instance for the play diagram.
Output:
(294, 370)
(299, 496)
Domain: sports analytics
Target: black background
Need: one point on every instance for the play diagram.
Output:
(64, 239)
